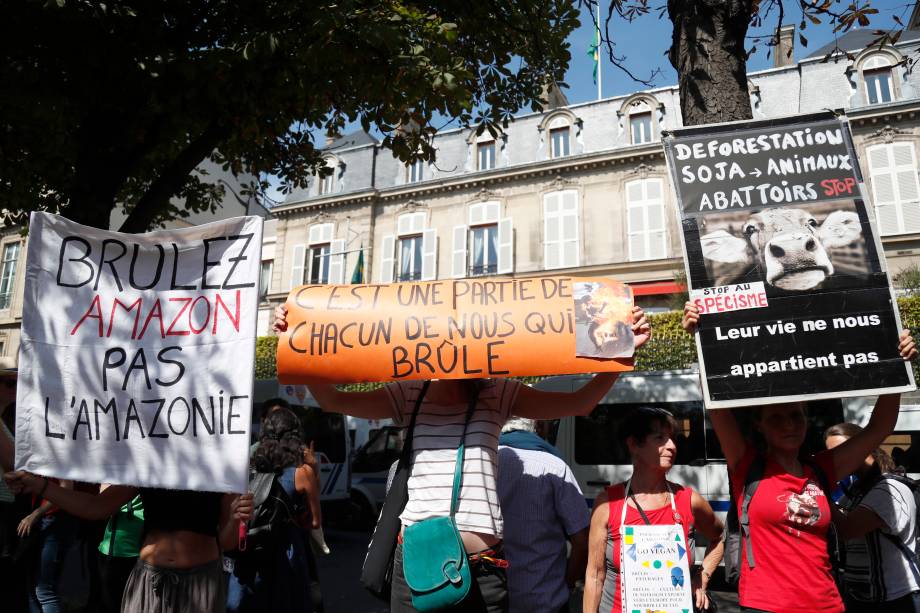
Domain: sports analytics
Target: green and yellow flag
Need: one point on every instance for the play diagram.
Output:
(358, 275)
(594, 52)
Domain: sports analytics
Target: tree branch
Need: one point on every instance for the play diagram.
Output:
(167, 184)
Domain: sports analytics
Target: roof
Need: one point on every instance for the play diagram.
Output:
(854, 40)
(353, 139)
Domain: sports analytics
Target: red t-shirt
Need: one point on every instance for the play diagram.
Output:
(662, 516)
(792, 569)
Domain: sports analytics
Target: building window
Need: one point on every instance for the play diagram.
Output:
(410, 258)
(641, 127)
(559, 142)
(411, 253)
(326, 183)
(319, 264)
(484, 250)
(416, 171)
(8, 274)
(646, 227)
(265, 278)
(895, 187)
(561, 235)
(486, 155)
(878, 85)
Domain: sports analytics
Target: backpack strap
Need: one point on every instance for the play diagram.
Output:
(458, 469)
(751, 482)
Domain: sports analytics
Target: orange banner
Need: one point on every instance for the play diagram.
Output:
(458, 329)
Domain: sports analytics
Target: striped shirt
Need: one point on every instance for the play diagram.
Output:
(434, 454)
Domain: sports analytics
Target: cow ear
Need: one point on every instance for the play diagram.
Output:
(720, 246)
(840, 228)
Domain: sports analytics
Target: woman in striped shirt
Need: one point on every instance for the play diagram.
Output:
(438, 429)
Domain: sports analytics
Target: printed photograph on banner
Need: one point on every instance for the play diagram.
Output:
(601, 313)
(783, 263)
(795, 248)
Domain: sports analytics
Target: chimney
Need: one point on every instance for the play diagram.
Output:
(782, 52)
(552, 97)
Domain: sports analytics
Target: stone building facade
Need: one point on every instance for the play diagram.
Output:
(583, 189)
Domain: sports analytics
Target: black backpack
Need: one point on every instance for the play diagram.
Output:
(272, 513)
(738, 529)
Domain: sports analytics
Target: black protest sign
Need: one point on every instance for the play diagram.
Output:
(783, 261)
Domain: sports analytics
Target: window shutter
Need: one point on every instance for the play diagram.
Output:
(337, 262)
(477, 213)
(505, 246)
(321, 233)
(458, 257)
(298, 257)
(905, 178)
(645, 223)
(429, 255)
(551, 230)
(883, 191)
(387, 258)
(569, 226)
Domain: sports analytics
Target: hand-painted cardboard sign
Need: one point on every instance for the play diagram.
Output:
(784, 262)
(137, 354)
(459, 329)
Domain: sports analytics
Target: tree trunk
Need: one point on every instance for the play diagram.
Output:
(708, 53)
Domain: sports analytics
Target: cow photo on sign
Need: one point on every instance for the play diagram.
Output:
(796, 248)
(784, 263)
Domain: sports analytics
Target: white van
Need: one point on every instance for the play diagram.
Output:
(591, 447)
(332, 443)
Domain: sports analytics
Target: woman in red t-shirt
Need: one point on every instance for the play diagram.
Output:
(648, 433)
(789, 513)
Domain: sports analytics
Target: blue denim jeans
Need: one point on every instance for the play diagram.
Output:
(54, 533)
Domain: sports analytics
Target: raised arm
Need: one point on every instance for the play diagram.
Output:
(597, 564)
(850, 455)
(723, 421)
(369, 405)
(80, 504)
(537, 404)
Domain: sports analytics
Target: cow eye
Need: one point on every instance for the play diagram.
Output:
(749, 230)
(813, 222)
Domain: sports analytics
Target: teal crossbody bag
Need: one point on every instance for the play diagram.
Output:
(434, 559)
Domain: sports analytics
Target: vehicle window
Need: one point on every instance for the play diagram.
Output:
(597, 441)
(904, 448)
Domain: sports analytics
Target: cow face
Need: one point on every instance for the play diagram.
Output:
(787, 244)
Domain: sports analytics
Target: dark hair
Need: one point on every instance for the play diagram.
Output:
(883, 461)
(273, 403)
(640, 422)
(280, 442)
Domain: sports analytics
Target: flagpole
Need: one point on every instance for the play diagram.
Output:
(599, 56)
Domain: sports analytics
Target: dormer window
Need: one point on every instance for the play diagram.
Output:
(485, 155)
(877, 77)
(640, 125)
(415, 171)
(326, 182)
(559, 132)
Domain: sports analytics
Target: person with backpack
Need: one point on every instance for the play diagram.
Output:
(647, 498)
(275, 571)
(452, 474)
(782, 499)
(879, 524)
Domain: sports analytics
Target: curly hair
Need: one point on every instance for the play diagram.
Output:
(281, 442)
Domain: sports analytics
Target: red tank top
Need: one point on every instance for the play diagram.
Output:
(662, 516)
(789, 518)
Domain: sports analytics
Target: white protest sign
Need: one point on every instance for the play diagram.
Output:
(137, 350)
(725, 298)
(655, 570)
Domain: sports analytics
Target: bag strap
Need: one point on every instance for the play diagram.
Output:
(751, 481)
(406, 456)
(639, 508)
(458, 469)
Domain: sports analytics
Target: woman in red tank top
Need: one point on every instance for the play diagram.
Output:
(648, 434)
(789, 512)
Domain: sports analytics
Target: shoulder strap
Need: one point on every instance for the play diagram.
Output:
(407, 446)
(751, 481)
(458, 469)
(639, 508)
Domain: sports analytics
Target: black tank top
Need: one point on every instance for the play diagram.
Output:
(171, 510)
